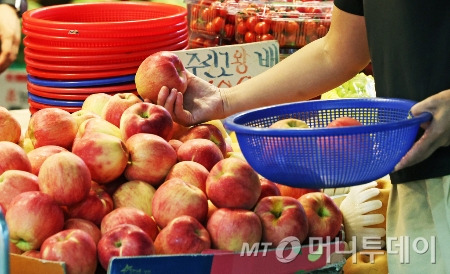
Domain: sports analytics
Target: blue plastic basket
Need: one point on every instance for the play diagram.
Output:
(320, 157)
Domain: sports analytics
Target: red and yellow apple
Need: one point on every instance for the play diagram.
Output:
(95, 102)
(13, 182)
(191, 172)
(202, 151)
(38, 155)
(87, 226)
(138, 194)
(209, 132)
(163, 68)
(113, 109)
(289, 123)
(12, 156)
(10, 129)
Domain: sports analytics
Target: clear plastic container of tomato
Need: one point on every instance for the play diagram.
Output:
(212, 20)
(293, 24)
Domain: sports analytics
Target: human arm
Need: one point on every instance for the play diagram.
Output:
(437, 131)
(312, 70)
(9, 36)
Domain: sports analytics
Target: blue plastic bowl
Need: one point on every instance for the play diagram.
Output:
(320, 157)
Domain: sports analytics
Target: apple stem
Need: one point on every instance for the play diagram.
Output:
(323, 212)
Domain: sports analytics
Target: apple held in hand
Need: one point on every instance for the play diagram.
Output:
(289, 123)
(10, 129)
(38, 155)
(129, 215)
(116, 105)
(324, 216)
(146, 117)
(124, 240)
(281, 217)
(74, 247)
(175, 198)
(52, 126)
(138, 194)
(105, 155)
(163, 68)
(233, 183)
(151, 158)
(65, 177)
(32, 217)
(230, 228)
(12, 156)
(13, 182)
(94, 207)
(182, 235)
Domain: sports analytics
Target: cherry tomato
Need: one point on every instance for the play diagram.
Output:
(309, 27)
(301, 41)
(229, 30)
(197, 42)
(218, 24)
(249, 37)
(321, 30)
(223, 12)
(195, 11)
(209, 27)
(292, 27)
(206, 14)
(266, 37)
(250, 23)
(262, 28)
(290, 40)
(241, 28)
(209, 43)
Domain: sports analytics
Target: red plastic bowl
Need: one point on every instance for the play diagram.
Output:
(118, 16)
(129, 87)
(34, 106)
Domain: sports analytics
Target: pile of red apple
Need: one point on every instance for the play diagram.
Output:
(120, 178)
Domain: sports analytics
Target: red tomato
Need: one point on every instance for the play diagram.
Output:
(209, 27)
(241, 28)
(195, 11)
(196, 42)
(250, 23)
(266, 37)
(290, 40)
(249, 37)
(309, 27)
(321, 30)
(292, 27)
(218, 24)
(229, 30)
(206, 14)
(301, 41)
(209, 43)
(223, 12)
(262, 27)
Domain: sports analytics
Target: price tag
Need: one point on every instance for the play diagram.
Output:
(227, 66)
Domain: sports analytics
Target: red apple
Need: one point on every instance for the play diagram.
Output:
(268, 188)
(14, 182)
(281, 217)
(175, 198)
(233, 183)
(138, 194)
(65, 177)
(10, 129)
(105, 155)
(52, 126)
(289, 123)
(230, 228)
(98, 125)
(95, 102)
(146, 117)
(129, 215)
(294, 192)
(38, 155)
(344, 122)
(94, 207)
(151, 158)
(77, 223)
(12, 156)
(175, 143)
(324, 216)
(182, 235)
(74, 247)
(124, 240)
(191, 172)
(83, 115)
(178, 130)
(32, 254)
(202, 151)
(32, 217)
(209, 132)
(163, 68)
(116, 105)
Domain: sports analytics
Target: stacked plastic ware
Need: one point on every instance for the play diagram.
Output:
(74, 50)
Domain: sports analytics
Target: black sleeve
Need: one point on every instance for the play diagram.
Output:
(350, 6)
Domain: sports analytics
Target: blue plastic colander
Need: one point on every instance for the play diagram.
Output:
(320, 157)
